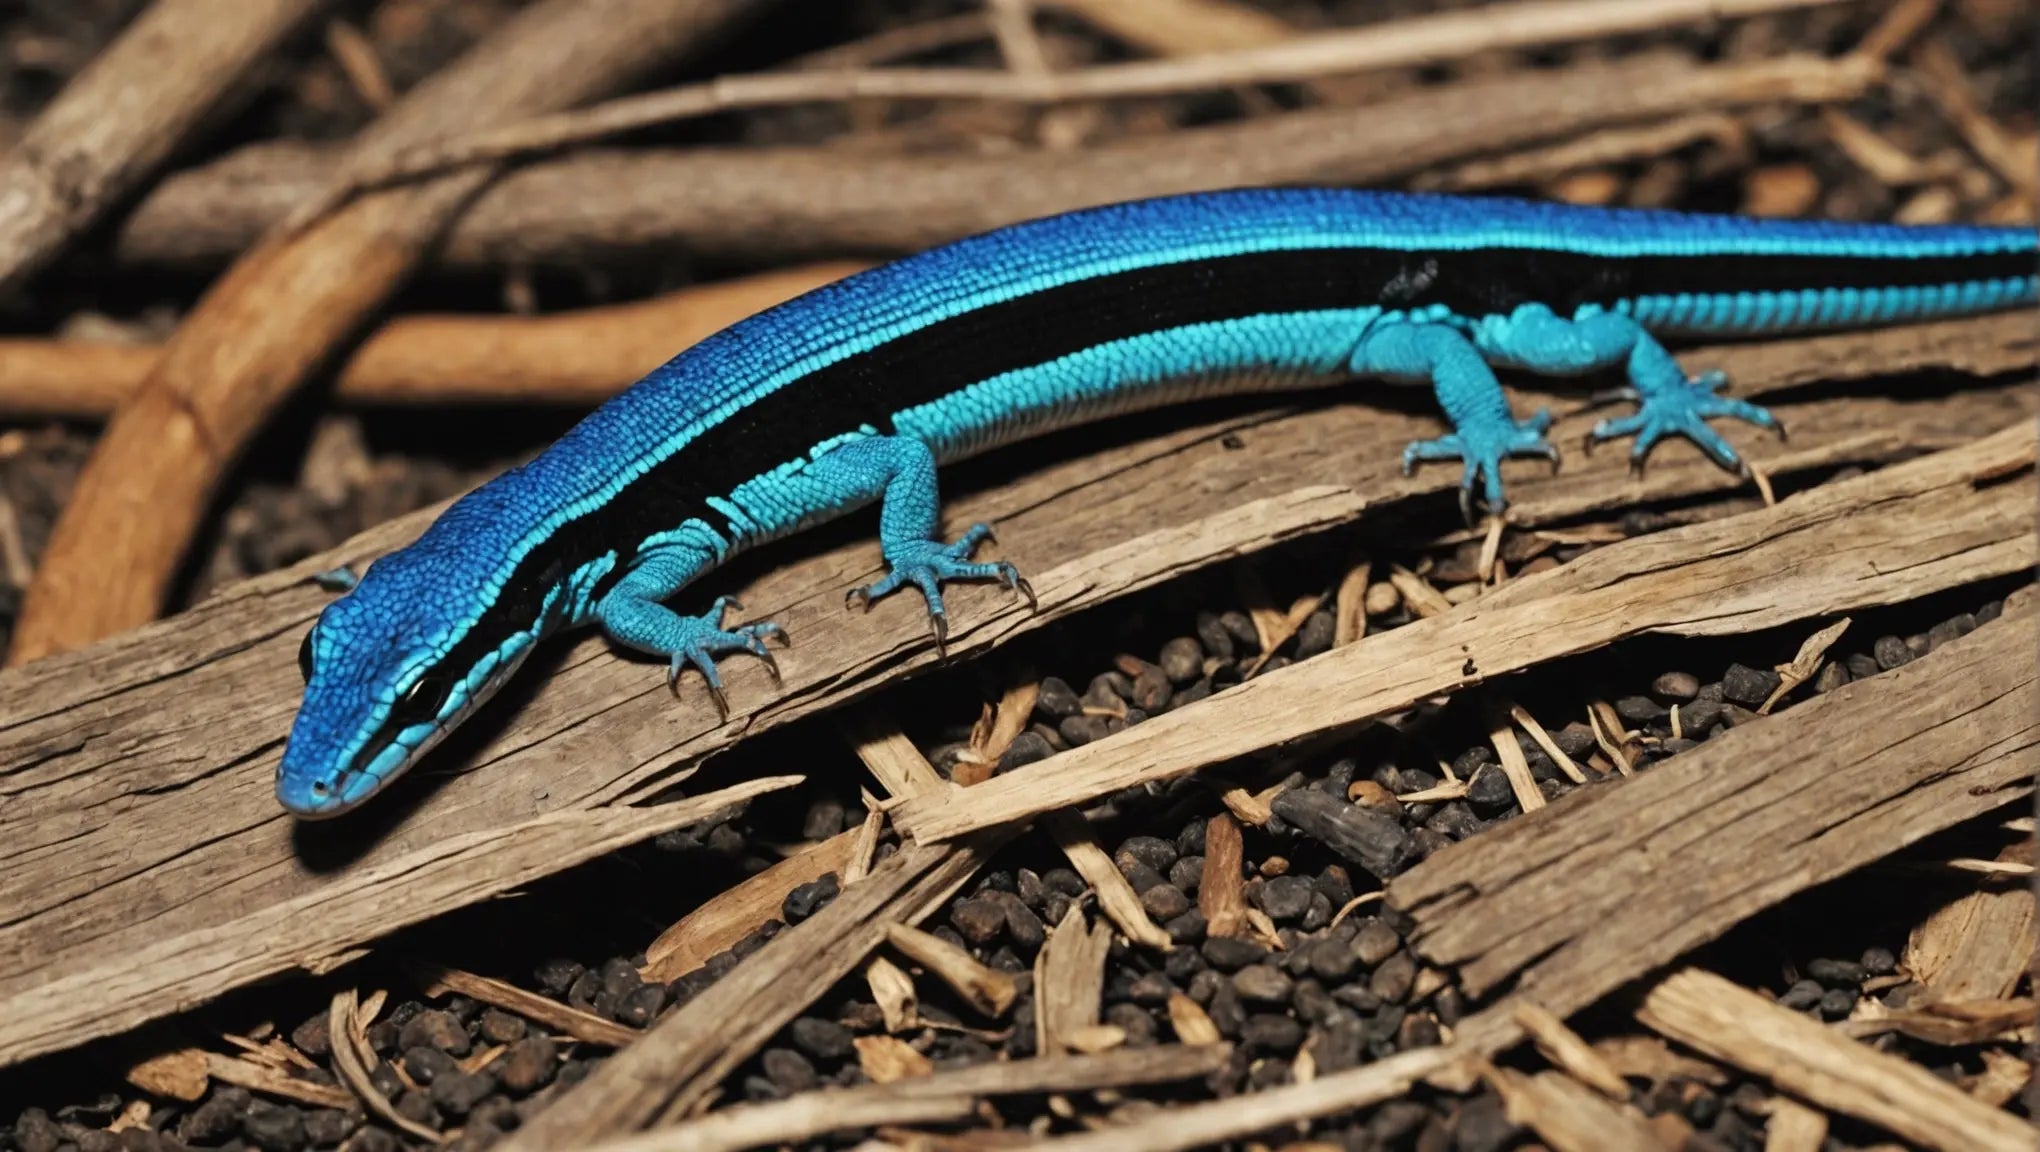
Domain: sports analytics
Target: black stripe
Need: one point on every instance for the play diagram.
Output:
(930, 363)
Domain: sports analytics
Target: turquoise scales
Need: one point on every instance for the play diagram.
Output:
(856, 392)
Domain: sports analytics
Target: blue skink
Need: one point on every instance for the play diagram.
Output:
(857, 391)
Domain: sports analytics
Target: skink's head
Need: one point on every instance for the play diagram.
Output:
(387, 676)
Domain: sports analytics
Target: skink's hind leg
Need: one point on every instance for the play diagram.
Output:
(1669, 404)
(631, 615)
(1484, 433)
(903, 470)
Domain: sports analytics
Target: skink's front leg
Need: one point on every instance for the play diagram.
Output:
(632, 615)
(1669, 404)
(1484, 430)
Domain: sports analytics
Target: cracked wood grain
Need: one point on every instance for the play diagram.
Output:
(135, 775)
(1911, 529)
(1609, 884)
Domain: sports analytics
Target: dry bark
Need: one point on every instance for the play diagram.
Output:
(147, 94)
(137, 773)
(282, 310)
(611, 206)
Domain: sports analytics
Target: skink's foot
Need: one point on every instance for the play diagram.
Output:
(1483, 446)
(1682, 408)
(698, 640)
(927, 563)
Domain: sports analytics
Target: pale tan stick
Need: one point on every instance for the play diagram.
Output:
(1447, 36)
(138, 101)
(571, 358)
(284, 309)
(758, 203)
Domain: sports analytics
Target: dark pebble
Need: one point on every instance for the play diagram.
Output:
(458, 1092)
(1989, 611)
(1575, 740)
(1419, 1030)
(372, 1139)
(1027, 748)
(1267, 1032)
(273, 1127)
(1675, 687)
(434, 1029)
(1639, 710)
(789, 1071)
(1488, 790)
(810, 898)
(1375, 942)
(1357, 997)
(1832, 675)
(581, 994)
(641, 1006)
(311, 1037)
(1315, 636)
(34, 1131)
(1245, 637)
(1950, 629)
(500, 1027)
(427, 1064)
(1837, 1003)
(1861, 665)
(1227, 1015)
(1263, 984)
(1802, 995)
(1393, 980)
(1153, 851)
(1331, 959)
(1064, 881)
(1182, 660)
(1230, 953)
(1395, 1121)
(326, 1127)
(528, 1065)
(1151, 689)
(1056, 700)
(1748, 686)
(1835, 973)
(1891, 652)
(821, 1039)
(1482, 1125)
(1879, 962)
(1213, 637)
(1378, 843)
(1078, 731)
(1285, 897)
(1697, 717)
(1187, 873)
(1165, 902)
(1187, 929)
(978, 920)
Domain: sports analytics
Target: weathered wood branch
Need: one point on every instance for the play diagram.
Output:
(284, 309)
(172, 70)
(759, 203)
(136, 774)
(1605, 887)
(1878, 539)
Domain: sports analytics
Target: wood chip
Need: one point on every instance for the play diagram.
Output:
(1951, 1024)
(1349, 621)
(1417, 593)
(1805, 665)
(438, 980)
(1610, 735)
(1116, 897)
(984, 988)
(1564, 1048)
(1817, 1064)
(1222, 893)
(175, 1075)
(1793, 1127)
(352, 1058)
(1096, 1038)
(1515, 765)
(2004, 1076)
(1649, 1058)
(886, 751)
(1069, 981)
(738, 911)
(1192, 1024)
(864, 849)
(1976, 946)
(1570, 1116)
(886, 1059)
(893, 990)
(1543, 740)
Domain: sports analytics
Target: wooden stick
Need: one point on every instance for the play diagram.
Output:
(736, 912)
(1818, 1064)
(757, 203)
(439, 980)
(283, 309)
(138, 101)
(943, 1096)
(1748, 572)
(1401, 43)
(689, 1052)
(1756, 814)
(578, 358)
(572, 357)
(1572, 1117)
(1096, 516)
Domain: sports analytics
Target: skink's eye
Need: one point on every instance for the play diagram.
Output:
(304, 658)
(422, 699)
